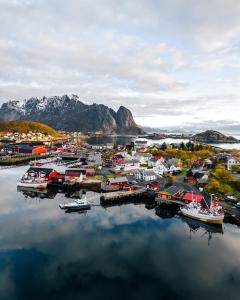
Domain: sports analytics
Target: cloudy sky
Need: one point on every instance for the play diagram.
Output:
(173, 63)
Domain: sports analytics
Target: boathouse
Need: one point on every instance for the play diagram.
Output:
(118, 181)
(172, 193)
(25, 148)
(74, 174)
(41, 172)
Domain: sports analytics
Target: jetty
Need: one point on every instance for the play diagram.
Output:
(130, 196)
(169, 201)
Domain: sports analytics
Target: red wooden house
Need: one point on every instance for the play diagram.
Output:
(118, 181)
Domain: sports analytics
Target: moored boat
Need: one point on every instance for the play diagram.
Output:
(211, 213)
(76, 205)
(41, 162)
(37, 177)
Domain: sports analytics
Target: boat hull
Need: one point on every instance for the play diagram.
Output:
(35, 185)
(202, 218)
(77, 207)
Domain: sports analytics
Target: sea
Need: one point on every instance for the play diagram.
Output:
(127, 139)
(129, 251)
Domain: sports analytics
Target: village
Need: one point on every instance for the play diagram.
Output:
(160, 174)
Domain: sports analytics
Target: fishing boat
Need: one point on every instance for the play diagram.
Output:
(76, 205)
(209, 213)
(41, 162)
(37, 177)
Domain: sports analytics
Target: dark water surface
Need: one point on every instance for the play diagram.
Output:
(122, 252)
(118, 140)
(96, 140)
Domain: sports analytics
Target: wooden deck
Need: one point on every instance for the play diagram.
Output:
(126, 196)
(169, 201)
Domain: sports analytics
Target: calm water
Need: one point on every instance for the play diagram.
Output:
(127, 139)
(122, 252)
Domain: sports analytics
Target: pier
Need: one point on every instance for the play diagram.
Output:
(169, 201)
(121, 196)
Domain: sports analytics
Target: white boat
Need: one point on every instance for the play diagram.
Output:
(41, 162)
(76, 205)
(37, 177)
(237, 205)
(33, 184)
(210, 214)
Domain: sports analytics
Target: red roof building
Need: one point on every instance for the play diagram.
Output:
(189, 197)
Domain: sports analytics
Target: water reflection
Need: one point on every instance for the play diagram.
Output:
(208, 230)
(38, 194)
(166, 211)
(124, 251)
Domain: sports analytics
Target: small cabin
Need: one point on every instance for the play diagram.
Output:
(172, 193)
(118, 181)
(129, 188)
(74, 174)
(25, 148)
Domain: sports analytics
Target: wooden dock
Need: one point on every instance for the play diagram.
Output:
(128, 196)
(169, 201)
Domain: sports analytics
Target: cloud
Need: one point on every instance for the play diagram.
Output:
(130, 52)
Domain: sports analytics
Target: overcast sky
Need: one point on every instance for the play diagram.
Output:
(172, 62)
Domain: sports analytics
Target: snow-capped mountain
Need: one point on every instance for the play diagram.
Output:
(68, 113)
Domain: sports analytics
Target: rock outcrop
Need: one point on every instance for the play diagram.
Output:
(212, 136)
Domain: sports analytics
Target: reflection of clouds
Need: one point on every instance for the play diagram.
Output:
(113, 249)
(7, 288)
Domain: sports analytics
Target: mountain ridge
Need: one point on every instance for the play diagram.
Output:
(69, 113)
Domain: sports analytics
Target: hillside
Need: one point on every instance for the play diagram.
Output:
(212, 136)
(23, 126)
(68, 113)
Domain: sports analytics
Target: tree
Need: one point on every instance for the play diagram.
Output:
(182, 146)
(236, 169)
(164, 146)
(213, 185)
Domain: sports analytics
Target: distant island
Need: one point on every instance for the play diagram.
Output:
(212, 136)
(24, 126)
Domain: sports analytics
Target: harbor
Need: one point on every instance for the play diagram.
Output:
(97, 207)
(120, 234)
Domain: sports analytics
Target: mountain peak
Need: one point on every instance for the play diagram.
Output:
(68, 113)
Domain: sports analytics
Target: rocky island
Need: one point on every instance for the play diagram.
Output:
(212, 136)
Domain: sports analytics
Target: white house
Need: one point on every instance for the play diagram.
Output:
(143, 158)
(162, 168)
(127, 165)
(144, 175)
(153, 162)
(233, 161)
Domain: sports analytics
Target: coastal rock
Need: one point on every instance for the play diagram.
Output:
(212, 136)
(68, 113)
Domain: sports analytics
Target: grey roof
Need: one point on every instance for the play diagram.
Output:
(172, 190)
(149, 172)
(118, 179)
